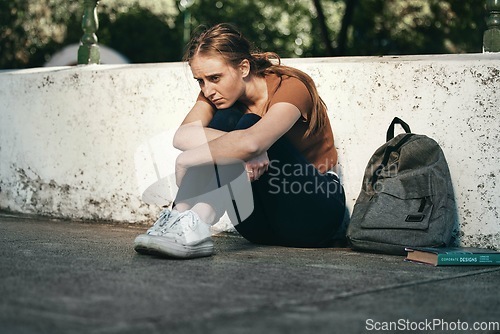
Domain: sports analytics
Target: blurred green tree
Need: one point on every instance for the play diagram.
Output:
(152, 30)
(282, 26)
(416, 27)
(30, 31)
(141, 35)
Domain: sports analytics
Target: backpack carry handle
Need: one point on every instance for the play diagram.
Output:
(390, 131)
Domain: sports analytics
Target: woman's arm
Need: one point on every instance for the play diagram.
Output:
(242, 145)
(193, 131)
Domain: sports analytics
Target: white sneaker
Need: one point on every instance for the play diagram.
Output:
(166, 217)
(141, 243)
(186, 237)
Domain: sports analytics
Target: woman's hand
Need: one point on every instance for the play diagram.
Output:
(257, 166)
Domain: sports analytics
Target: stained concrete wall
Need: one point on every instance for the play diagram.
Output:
(86, 142)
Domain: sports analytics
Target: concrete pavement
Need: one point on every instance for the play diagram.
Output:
(59, 276)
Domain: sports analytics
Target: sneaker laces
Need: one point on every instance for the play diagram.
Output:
(161, 221)
(176, 227)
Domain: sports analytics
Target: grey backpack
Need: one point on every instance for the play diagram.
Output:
(406, 198)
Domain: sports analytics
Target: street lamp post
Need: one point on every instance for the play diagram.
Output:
(184, 8)
(88, 52)
(491, 37)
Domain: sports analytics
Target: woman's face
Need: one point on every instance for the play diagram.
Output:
(221, 83)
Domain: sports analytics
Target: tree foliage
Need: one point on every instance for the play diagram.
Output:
(152, 30)
(417, 27)
(279, 25)
(32, 30)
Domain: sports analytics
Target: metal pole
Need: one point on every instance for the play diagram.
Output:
(184, 8)
(491, 37)
(88, 52)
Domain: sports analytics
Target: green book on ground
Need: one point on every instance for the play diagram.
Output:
(453, 256)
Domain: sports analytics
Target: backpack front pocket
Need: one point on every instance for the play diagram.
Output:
(404, 203)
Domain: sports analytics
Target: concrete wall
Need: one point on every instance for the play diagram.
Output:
(84, 142)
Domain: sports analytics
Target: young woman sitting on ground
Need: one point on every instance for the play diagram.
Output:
(257, 118)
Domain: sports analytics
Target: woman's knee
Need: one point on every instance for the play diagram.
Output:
(247, 120)
(226, 119)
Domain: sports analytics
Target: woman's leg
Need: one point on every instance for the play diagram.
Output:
(198, 190)
(295, 205)
(187, 234)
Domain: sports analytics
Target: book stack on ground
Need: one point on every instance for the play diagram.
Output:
(453, 256)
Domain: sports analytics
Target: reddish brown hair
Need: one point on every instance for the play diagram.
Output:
(225, 41)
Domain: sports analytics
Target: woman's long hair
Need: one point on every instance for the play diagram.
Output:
(226, 41)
